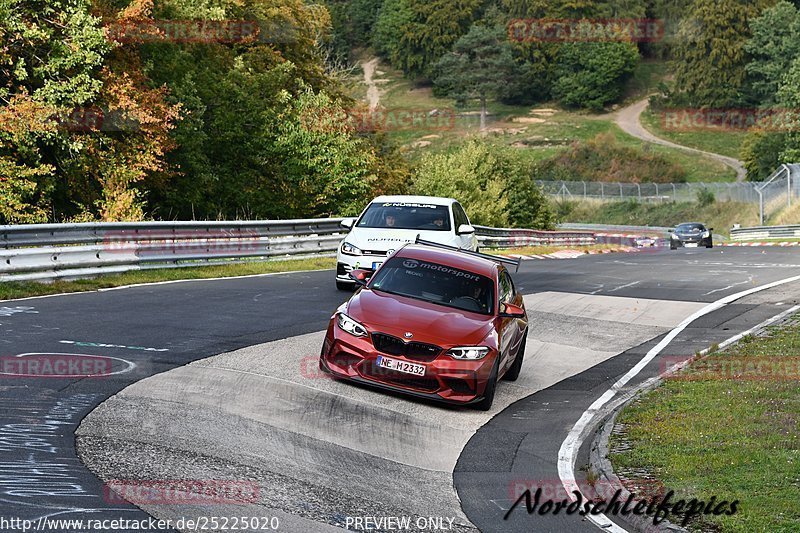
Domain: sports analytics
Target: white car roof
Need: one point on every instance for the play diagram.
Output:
(435, 200)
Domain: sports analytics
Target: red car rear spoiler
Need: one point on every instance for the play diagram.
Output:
(495, 258)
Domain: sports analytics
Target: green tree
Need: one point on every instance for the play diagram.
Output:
(669, 13)
(395, 18)
(414, 35)
(81, 127)
(328, 171)
(489, 182)
(528, 207)
(50, 62)
(761, 153)
(352, 24)
(710, 58)
(774, 46)
(591, 74)
(764, 149)
(789, 98)
(480, 67)
(564, 69)
(239, 150)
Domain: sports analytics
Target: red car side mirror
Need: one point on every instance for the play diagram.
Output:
(361, 276)
(512, 311)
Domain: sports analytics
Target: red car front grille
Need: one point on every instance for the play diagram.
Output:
(418, 351)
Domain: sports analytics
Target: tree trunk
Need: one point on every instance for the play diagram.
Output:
(483, 115)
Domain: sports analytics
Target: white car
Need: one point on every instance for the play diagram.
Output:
(389, 222)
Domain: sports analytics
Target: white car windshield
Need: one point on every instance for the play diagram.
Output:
(402, 215)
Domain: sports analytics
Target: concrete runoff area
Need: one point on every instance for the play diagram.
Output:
(321, 449)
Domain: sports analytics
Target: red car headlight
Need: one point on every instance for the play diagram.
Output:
(468, 352)
(351, 326)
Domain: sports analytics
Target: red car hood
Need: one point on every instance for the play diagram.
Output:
(430, 323)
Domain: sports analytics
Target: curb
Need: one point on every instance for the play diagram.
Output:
(573, 254)
(781, 244)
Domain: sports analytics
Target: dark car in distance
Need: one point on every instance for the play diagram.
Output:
(691, 235)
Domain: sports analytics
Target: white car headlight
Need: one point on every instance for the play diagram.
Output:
(468, 352)
(349, 249)
(706, 234)
(351, 326)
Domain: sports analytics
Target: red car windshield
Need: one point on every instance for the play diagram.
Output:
(435, 283)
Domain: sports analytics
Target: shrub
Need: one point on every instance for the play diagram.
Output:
(604, 159)
(705, 197)
(494, 186)
(592, 75)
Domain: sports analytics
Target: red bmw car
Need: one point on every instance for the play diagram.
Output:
(432, 321)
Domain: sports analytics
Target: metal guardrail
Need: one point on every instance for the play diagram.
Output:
(613, 227)
(766, 232)
(510, 237)
(70, 251)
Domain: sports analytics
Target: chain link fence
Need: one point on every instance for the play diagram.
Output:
(648, 192)
(779, 191)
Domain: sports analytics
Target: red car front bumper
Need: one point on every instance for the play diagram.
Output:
(445, 379)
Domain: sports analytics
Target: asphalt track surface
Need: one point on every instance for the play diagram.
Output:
(159, 328)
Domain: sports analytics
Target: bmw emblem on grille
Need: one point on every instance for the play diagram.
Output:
(408, 335)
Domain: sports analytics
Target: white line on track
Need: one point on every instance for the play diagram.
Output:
(568, 452)
(615, 289)
(749, 280)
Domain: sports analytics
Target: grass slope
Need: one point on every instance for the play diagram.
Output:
(752, 426)
(719, 215)
(725, 142)
(537, 131)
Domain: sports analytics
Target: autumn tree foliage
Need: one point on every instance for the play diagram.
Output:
(126, 110)
(80, 126)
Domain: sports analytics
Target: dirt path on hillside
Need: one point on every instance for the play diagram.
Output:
(373, 94)
(628, 118)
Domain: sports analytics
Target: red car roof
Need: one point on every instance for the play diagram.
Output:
(470, 263)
